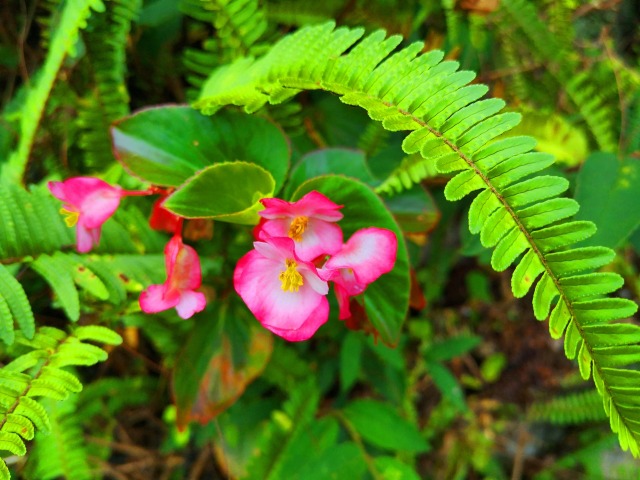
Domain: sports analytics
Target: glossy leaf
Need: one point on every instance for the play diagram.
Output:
(166, 145)
(341, 161)
(228, 192)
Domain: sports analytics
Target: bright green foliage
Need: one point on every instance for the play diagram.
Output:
(14, 305)
(572, 409)
(30, 223)
(62, 451)
(63, 42)
(238, 24)
(405, 91)
(39, 373)
(105, 41)
(104, 277)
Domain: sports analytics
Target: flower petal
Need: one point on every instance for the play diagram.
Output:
(257, 281)
(370, 252)
(343, 301)
(161, 218)
(97, 207)
(190, 302)
(319, 238)
(183, 265)
(312, 323)
(156, 298)
(86, 238)
(313, 204)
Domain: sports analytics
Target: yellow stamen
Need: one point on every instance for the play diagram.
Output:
(297, 228)
(70, 217)
(290, 278)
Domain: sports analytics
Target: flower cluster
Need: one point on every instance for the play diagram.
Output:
(284, 280)
(89, 202)
(299, 249)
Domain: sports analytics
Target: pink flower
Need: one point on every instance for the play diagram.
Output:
(309, 222)
(369, 253)
(283, 291)
(183, 278)
(88, 202)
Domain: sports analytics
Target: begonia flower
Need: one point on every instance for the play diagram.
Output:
(162, 219)
(183, 278)
(369, 253)
(309, 222)
(283, 291)
(88, 203)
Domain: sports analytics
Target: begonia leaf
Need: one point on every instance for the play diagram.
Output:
(166, 145)
(229, 192)
(217, 363)
(343, 161)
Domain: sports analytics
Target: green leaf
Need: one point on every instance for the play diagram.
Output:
(380, 425)
(351, 163)
(452, 347)
(350, 360)
(387, 299)
(608, 190)
(393, 469)
(166, 145)
(16, 299)
(61, 282)
(447, 384)
(415, 210)
(337, 462)
(217, 363)
(228, 192)
(98, 333)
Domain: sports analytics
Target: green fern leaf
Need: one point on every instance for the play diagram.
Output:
(62, 453)
(577, 408)
(61, 281)
(105, 41)
(22, 394)
(14, 297)
(12, 443)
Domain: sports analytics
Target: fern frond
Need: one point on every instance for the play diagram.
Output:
(573, 409)
(30, 223)
(106, 277)
(61, 453)
(38, 375)
(63, 40)
(238, 25)
(105, 40)
(546, 44)
(597, 112)
(14, 305)
(516, 212)
(411, 171)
